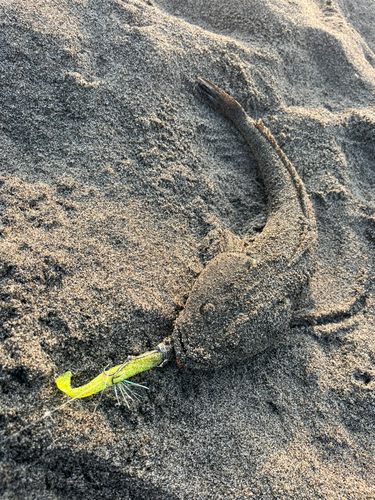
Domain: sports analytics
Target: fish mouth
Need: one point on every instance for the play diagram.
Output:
(179, 345)
(191, 357)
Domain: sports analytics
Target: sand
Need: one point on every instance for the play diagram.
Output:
(113, 173)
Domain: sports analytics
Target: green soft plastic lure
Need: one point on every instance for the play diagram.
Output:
(108, 378)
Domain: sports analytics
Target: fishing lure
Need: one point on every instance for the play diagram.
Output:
(117, 376)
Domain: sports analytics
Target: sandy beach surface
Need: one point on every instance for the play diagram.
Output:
(114, 175)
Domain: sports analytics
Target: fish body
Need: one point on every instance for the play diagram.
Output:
(245, 298)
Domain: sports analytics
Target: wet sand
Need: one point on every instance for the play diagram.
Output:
(113, 174)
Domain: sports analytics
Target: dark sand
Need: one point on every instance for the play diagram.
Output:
(113, 172)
